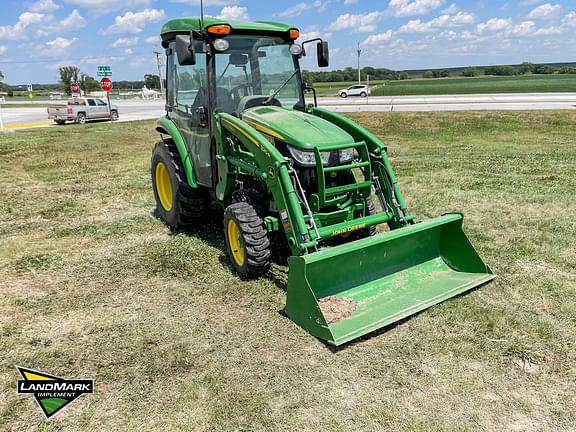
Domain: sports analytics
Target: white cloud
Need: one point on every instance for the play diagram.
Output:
(3, 49)
(548, 31)
(234, 13)
(72, 22)
(570, 19)
(128, 51)
(403, 8)
(105, 6)
(212, 2)
(417, 26)
(58, 47)
(134, 22)
(152, 40)
(44, 6)
(494, 24)
(360, 23)
(32, 24)
(313, 33)
(545, 11)
(349, 2)
(523, 28)
(297, 9)
(377, 38)
(125, 42)
(450, 10)
(19, 30)
(529, 2)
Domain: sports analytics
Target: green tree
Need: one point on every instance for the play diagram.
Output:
(87, 83)
(428, 74)
(470, 72)
(526, 67)
(152, 81)
(544, 69)
(5, 87)
(567, 70)
(307, 77)
(404, 76)
(68, 75)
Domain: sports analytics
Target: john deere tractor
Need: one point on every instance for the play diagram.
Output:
(239, 133)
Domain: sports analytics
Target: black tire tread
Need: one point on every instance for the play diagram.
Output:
(192, 203)
(257, 247)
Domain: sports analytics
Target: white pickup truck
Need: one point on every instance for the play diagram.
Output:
(82, 109)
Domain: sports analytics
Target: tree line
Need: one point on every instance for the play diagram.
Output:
(351, 74)
(503, 70)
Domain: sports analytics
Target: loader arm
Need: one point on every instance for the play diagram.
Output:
(264, 162)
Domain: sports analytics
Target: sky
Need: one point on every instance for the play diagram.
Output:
(38, 36)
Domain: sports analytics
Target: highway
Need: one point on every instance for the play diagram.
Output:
(136, 109)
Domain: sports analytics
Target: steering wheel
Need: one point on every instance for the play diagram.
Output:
(236, 91)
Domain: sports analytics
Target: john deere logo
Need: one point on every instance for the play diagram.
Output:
(52, 393)
(271, 172)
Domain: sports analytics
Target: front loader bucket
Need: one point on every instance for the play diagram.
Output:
(382, 279)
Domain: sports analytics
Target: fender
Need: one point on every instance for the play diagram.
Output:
(166, 126)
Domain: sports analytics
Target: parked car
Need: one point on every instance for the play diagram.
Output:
(355, 90)
(82, 109)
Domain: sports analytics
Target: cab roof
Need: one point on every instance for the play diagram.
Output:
(184, 25)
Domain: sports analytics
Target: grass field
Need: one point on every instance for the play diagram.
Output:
(478, 85)
(94, 286)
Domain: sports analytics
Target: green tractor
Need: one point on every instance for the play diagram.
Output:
(239, 133)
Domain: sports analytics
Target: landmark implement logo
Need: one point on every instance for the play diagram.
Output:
(52, 393)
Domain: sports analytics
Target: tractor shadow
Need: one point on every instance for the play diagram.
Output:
(211, 232)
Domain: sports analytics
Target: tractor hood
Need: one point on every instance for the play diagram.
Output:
(296, 127)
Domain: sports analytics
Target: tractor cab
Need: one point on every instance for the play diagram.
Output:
(232, 67)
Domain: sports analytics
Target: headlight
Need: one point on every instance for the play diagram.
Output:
(306, 158)
(220, 44)
(346, 155)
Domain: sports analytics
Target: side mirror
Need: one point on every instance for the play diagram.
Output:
(185, 50)
(323, 54)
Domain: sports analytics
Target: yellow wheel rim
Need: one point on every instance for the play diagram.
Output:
(163, 186)
(235, 241)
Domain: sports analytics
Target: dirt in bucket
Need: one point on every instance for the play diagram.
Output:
(336, 308)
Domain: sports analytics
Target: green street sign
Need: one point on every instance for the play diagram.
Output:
(104, 74)
(103, 68)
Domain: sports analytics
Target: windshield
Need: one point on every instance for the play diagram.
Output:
(253, 68)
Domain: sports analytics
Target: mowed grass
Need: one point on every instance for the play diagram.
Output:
(94, 286)
(480, 85)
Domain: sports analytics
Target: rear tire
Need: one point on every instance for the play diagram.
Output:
(343, 95)
(81, 118)
(60, 122)
(247, 240)
(363, 94)
(178, 204)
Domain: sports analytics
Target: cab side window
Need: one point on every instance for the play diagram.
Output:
(91, 102)
(188, 87)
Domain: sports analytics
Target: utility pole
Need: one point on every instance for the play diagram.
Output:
(359, 51)
(159, 70)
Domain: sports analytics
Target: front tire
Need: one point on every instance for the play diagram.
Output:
(369, 211)
(247, 240)
(178, 204)
(81, 118)
(114, 115)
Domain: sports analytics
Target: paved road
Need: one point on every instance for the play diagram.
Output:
(141, 110)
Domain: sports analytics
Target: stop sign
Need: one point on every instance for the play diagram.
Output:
(106, 84)
(74, 87)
